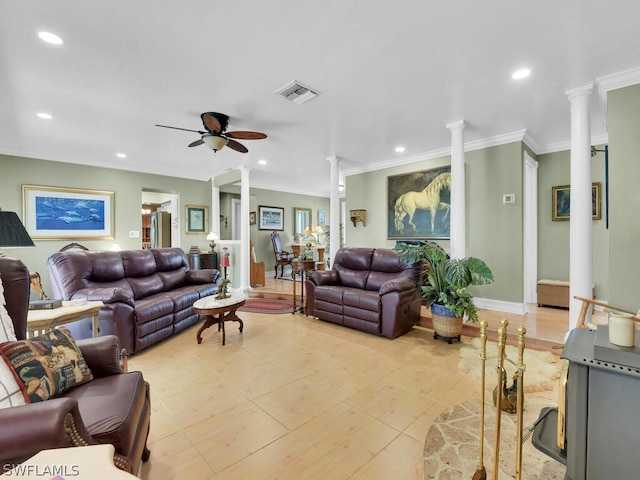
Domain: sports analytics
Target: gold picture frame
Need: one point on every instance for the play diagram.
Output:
(197, 219)
(61, 213)
(561, 202)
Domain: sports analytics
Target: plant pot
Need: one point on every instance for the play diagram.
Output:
(445, 324)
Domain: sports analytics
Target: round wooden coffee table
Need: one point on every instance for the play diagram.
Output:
(218, 311)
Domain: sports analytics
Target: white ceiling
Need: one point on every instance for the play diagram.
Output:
(389, 73)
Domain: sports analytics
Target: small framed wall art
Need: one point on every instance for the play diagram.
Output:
(197, 219)
(270, 218)
(561, 202)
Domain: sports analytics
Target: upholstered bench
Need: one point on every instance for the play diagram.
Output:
(555, 293)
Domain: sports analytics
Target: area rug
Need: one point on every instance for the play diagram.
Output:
(452, 445)
(542, 368)
(260, 305)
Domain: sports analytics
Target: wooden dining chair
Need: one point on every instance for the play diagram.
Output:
(282, 257)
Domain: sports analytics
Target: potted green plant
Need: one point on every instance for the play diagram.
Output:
(444, 285)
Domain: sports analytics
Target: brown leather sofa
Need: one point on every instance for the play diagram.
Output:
(112, 408)
(368, 289)
(148, 294)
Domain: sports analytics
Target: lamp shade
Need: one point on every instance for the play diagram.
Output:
(213, 236)
(12, 231)
(307, 230)
(214, 142)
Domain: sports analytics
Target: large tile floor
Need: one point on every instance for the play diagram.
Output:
(296, 398)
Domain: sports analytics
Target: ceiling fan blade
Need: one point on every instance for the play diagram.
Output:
(178, 128)
(244, 135)
(211, 123)
(196, 143)
(237, 146)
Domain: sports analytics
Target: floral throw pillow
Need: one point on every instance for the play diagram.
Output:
(46, 366)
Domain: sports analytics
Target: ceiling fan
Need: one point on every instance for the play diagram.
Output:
(216, 136)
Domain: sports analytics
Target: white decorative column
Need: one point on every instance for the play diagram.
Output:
(580, 226)
(244, 229)
(334, 208)
(214, 224)
(458, 187)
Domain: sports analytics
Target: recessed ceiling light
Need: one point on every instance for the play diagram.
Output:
(46, 116)
(262, 162)
(399, 149)
(520, 74)
(121, 155)
(51, 38)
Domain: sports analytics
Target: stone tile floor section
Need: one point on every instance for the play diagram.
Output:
(452, 446)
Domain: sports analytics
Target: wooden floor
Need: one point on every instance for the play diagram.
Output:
(293, 397)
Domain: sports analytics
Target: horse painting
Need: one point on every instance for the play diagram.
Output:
(429, 198)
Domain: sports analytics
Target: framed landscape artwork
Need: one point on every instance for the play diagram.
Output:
(418, 204)
(52, 213)
(197, 219)
(270, 218)
(561, 202)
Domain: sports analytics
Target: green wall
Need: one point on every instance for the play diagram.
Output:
(271, 198)
(624, 173)
(127, 188)
(493, 230)
(553, 236)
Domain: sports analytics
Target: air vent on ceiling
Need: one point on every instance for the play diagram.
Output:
(297, 92)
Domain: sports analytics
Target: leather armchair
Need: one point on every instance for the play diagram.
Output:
(112, 408)
(368, 289)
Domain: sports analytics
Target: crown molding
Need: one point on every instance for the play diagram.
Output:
(502, 139)
(566, 144)
(619, 80)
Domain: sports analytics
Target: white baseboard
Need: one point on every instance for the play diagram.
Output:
(500, 306)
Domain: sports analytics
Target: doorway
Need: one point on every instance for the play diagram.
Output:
(153, 201)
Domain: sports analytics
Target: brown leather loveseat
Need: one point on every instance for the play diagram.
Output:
(111, 408)
(148, 294)
(368, 289)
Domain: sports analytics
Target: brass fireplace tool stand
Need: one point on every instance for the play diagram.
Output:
(499, 393)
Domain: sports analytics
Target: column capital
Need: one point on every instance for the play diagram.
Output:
(457, 125)
(334, 158)
(582, 91)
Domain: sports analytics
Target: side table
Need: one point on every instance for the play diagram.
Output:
(300, 267)
(199, 261)
(42, 321)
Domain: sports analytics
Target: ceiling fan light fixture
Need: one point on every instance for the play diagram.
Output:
(214, 142)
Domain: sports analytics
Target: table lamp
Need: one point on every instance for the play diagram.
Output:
(212, 237)
(12, 232)
(306, 233)
(318, 231)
